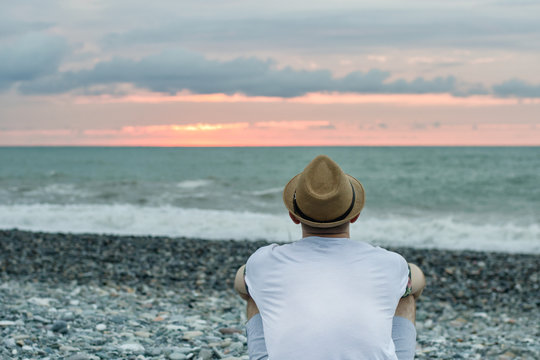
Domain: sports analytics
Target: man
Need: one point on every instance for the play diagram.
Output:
(325, 296)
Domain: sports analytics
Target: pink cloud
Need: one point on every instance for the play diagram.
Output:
(310, 98)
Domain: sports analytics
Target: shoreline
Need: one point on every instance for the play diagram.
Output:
(104, 258)
(477, 304)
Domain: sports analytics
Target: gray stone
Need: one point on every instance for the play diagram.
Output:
(83, 356)
(41, 319)
(68, 316)
(205, 354)
(132, 347)
(60, 326)
(10, 343)
(177, 356)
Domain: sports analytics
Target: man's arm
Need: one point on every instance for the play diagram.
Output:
(240, 283)
(241, 289)
(418, 281)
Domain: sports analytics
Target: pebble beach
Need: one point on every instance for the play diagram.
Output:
(89, 296)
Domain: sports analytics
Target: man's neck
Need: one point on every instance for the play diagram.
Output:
(306, 233)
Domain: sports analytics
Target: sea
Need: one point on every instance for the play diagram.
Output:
(476, 198)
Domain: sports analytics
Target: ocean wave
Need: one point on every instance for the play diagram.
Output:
(271, 191)
(193, 184)
(442, 232)
(55, 189)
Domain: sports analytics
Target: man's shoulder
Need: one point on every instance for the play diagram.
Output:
(391, 254)
(262, 252)
(378, 253)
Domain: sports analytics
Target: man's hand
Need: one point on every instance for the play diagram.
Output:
(418, 281)
(240, 283)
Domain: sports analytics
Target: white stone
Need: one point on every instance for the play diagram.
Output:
(67, 348)
(188, 335)
(177, 356)
(101, 327)
(175, 327)
(132, 347)
(41, 301)
(7, 323)
(143, 334)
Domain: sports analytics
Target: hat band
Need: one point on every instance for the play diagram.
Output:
(299, 212)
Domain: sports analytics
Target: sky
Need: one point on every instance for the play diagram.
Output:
(280, 73)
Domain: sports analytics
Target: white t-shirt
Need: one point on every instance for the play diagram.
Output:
(327, 298)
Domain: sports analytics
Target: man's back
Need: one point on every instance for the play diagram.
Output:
(327, 298)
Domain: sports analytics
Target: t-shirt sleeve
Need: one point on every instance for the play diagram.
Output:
(403, 276)
(408, 289)
(254, 270)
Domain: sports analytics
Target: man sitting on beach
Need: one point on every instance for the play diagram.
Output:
(325, 296)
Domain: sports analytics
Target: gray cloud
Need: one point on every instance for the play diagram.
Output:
(353, 29)
(176, 70)
(324, 127)
(516, 88)
(10, 27)
(34, 68)
(29, 58)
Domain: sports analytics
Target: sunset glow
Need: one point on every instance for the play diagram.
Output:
(288, 133)
(102, 75)
(312, 98)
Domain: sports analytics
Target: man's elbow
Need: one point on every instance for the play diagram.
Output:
(418, 281)
(240, 284)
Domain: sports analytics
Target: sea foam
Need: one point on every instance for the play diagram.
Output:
(443, 232)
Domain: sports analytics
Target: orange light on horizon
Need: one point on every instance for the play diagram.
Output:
(284, 133)
(164, 130)
(311, 98)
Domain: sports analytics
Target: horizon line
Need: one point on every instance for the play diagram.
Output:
(263, 146)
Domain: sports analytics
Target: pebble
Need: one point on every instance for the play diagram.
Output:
(230, 331)
(60, 326)
(42, 319)
(83, 356)
(67, 348)
(205, 354)
(68, 316)
(189, 335)
(143, 334)
(132, 347)
(177, 356)
(144, 291)
(40, 301)
(10, 343)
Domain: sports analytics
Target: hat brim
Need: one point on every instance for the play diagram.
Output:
(290, 188)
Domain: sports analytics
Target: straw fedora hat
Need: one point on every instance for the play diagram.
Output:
(323, 195)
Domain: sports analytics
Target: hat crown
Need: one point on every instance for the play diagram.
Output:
(324, 191)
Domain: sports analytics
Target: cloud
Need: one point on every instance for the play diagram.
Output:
(295, 125)
(33, 63)
(29, 58)
(516, 88)
(172, 129)
(173, 71)
(419, 25)
(167, 129)
(11, 27)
